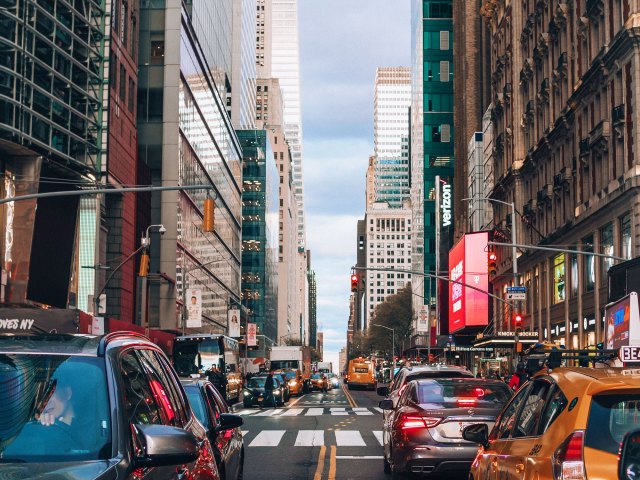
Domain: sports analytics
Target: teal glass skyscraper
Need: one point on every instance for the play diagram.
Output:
(431, 138)
(260, 181)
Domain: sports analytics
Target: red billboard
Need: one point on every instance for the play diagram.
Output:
(468, 307)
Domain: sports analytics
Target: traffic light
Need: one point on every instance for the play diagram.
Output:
(208, 214)
(517, 321)
(354, 282)
(492, 264)
(143, 271)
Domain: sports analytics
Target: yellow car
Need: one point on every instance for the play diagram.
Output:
(295, 381)
(563, 424)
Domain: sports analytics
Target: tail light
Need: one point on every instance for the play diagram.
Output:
(410, 422)
(467, 401)
(568, 459)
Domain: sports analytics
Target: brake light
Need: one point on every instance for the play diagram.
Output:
(467, 402)
(409, 422)
(568, 459)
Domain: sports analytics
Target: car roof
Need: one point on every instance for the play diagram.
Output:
(490, 381)
(580, 380)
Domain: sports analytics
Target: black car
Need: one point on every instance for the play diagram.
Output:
(223, 428)
(253, 393)
(286, 393)
(86, 407)
(423, 432)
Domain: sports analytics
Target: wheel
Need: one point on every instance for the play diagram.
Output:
(387, 466)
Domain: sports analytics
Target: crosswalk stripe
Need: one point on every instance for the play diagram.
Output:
(291, 412)
(338, 411)
(362, 411)
(379, 409)
(349, 438)
(268, 438)
(314, 412)
(268, 413)
(244, 432)
(310, 438)
(378, 434)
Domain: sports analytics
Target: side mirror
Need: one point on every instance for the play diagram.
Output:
(629, 463)
(163, 445)
(383, 391)
(386, 404)
(229, 421)
(477, 433)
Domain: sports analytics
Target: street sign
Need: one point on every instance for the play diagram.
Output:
(629, 353)
(516, 296)
(517, 289)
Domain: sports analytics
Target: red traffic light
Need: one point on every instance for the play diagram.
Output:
(517, 319)
(492, 264)
(354, 282)
(493, 257)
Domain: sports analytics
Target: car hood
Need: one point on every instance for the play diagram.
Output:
(256, 390)
(97, 470)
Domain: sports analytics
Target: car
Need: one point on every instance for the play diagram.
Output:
(423, 432)
(565, 422)
(334, 381)
(406, 374)
(253, 393)
(319, 382)
(294, 381)
(96, 407)
(284, 386)
(223, 427)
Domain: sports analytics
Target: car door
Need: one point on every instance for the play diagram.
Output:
(525, 438)
(228, 442)
(489, 459)
(142, 406)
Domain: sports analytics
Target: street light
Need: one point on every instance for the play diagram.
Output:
(145, 243)
(393, 346)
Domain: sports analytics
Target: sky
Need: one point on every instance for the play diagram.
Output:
(342, 42)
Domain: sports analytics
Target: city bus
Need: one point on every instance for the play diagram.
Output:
(212, 355)
(361, 373)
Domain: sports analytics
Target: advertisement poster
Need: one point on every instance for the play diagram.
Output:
(233, 322)
(619, 331)
(194, 308)
(423, 321)
(252, 331)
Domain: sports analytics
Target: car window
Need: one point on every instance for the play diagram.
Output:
(196, 400)
(160, 382)
(506, 421)
(211, 399)
(398, 381)
(552, 410)
(221, 404)
(458, 392)
(610, 418)
(532, 409)
(139, 398)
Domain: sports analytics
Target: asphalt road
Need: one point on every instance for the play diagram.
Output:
(318, 436)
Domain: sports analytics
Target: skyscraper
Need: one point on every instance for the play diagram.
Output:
(392, 100)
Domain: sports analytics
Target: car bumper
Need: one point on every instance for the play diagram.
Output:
(436, 459)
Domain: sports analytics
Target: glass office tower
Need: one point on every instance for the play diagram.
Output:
(432, 137)
(260, 204)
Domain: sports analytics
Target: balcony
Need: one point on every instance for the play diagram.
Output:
(599, 136)
(617, 115)
(562, 63)
(595, 8)
(584, 147)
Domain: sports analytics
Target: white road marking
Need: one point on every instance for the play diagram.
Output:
(314, 412)
(268, 438)
(378, 434)
(338, 411)
(244, 432)
(310, 438)
(269, 413)
(291, 412)
(349, 438)
(362, 411)
(379, 409)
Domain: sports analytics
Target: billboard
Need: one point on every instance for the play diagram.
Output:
(233, 322)
(252, 330)
(194, 308)
(622, 327)
(468, 307)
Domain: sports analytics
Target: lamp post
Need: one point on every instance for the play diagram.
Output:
(145, 243)
(393, 346)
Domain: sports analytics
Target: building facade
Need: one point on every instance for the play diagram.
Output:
(243, 76)
(53, 99)
(260, 233)
(186, 138)
(565, 116)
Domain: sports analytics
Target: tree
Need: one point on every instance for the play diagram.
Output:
(360, 344)
(293, 341)
(395, 312)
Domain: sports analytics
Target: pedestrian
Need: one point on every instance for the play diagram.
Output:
(269, 386)
(518, 378)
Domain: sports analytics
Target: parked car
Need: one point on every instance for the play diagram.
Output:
(564, 423)
(423, 431)
(254, 392)
(294, 381)
(319, 382)
(84, 407)
(223, 427)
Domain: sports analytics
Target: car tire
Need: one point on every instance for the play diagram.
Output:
(387, 466)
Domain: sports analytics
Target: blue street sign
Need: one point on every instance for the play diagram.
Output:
(517, 289)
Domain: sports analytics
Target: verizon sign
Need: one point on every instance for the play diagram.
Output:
(445, 206)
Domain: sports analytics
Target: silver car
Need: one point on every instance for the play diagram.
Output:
(423, 431)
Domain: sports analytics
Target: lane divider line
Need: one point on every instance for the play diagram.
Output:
(320, 467)
(332, 464)
(349, 397)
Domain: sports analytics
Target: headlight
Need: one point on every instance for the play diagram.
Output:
(277, 392)
(293, 383)
(247, 393)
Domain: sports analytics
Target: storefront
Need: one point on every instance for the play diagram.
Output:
(503, 350)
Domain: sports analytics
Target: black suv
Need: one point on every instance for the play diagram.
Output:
(86, 407)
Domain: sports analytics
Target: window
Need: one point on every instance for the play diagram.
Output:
(444, 71)
(444, 40)
(590, 270)
(558, 279)
(139, 399)
(532, 410)
(625, 236)
(610, 418)
(157, 51)
(123, 83)
(505, 423)
(606, 242)
(132, 92)
(553, 408)
(574, 275)
(438, 10)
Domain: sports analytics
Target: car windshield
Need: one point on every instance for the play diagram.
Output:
(316, 375)
(610, 418)
(257, 382)
(462, 393)
(55, 408)
(197, 403)
(290, 375)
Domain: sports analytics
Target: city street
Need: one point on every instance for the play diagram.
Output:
(334, 435)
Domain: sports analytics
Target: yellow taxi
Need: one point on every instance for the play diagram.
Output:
(565, 423)
(294, 379)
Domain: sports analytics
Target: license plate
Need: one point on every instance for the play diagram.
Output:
(260, 399)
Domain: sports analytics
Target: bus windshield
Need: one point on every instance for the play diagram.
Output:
(191, 356)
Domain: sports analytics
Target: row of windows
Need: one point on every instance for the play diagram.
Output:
(389, 260)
